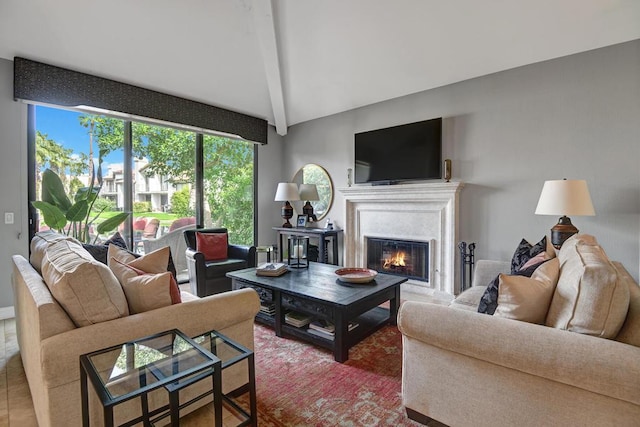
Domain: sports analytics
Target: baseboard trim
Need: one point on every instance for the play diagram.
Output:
(7, 313)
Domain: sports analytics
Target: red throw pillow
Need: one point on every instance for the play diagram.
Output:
(212, 245)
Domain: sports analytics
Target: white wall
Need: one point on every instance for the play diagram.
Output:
(13, 182)
(573, 117)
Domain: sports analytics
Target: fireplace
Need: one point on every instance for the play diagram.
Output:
(426, 212)
(399, 257)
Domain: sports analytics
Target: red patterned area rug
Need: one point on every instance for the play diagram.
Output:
(299, 384)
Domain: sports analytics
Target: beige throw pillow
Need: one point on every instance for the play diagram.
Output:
(148, 291)
(528, 299)
(153, 262)
(145, 280)
(84, 287)
(589, 298)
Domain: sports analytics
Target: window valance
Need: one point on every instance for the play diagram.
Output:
(48, 84)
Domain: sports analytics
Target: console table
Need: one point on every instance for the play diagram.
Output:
(322, 234)
(316, 291)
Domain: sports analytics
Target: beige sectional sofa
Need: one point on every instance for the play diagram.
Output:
(465, 368)
(51, 343)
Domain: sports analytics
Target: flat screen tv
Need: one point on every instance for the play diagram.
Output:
(400, 153)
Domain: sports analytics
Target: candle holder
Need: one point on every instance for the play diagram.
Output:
(297, 250)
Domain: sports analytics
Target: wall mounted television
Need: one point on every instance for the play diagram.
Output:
(406, 152)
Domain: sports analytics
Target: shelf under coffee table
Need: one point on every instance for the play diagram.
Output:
(316, 291)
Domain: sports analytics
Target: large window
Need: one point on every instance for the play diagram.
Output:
(228, 187)
(153, 179)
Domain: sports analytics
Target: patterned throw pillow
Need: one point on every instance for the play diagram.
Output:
(525, 251)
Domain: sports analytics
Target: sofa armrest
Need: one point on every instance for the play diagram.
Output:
(487, 270)
(60, 353)
(596, 364)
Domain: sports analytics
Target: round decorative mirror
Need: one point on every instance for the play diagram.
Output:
(318, 176)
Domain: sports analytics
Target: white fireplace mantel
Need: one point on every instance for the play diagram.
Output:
(420, 211)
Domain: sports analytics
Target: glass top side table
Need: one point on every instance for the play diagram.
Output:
(168, 359)
(231, 353)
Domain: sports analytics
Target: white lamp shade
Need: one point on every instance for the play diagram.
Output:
(309, 192)
(568, 197)
(287, 191)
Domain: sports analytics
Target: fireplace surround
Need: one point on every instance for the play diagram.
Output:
(425, 212)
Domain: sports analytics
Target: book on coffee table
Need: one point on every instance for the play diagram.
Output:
(322, 326)
(297, 319)
(272, 269)
(268, 309)
(327, 329)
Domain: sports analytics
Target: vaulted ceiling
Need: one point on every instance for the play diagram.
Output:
(289, 61)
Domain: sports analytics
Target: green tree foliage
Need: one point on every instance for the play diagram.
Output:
(104, 204)
(180, 203)
(228, 171)
(140, 207)
(228, 167)
(62, 161)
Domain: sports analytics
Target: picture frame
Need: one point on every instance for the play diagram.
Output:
(301, 221)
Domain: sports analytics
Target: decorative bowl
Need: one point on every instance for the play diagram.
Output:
(356, 275)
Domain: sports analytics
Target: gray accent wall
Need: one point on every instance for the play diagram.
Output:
(14, 238)
(506, 133)
(576, 117)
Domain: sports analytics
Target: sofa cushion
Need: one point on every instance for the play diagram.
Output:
(589, 298)
(212, 245)
(528, 298)
(84, 287)
(469, 299)
(144, 293)
(41, 242)
(630, 331)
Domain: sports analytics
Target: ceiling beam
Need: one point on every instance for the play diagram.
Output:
(266, 33)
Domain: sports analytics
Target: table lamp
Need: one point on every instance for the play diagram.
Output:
(287, 191)
(308, 192)
(564, 197)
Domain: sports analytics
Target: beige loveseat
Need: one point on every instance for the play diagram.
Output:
(50, 343)
(465, 368)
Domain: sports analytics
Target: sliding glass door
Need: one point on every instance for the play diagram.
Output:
(148, 171)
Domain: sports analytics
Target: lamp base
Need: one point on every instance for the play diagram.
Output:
(562, 231)
(287, 214)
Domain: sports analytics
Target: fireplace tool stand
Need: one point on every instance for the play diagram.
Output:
(467, 261)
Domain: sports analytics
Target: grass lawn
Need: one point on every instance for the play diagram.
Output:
(165, 218)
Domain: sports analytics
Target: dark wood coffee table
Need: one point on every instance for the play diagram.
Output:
(316, 291)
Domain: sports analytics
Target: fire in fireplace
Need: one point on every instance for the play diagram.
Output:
(399, 257)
